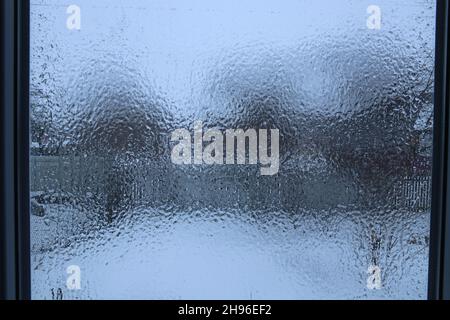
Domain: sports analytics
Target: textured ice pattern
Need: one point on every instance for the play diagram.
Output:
(346, 217)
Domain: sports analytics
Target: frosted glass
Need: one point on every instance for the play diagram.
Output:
(348, 85)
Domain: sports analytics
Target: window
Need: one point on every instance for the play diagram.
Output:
(235, 149)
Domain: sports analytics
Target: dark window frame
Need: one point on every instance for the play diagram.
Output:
(439, 267)
(15, 273)
(14, 189)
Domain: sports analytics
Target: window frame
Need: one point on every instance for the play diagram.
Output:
(439, 256)
(15, 273)
(15, 196)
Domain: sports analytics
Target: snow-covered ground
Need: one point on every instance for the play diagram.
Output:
(228, 255)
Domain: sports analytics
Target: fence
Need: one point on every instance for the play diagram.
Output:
(156, 182)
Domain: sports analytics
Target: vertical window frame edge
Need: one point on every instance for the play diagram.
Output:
(15, 256)
(23, 149)
(439, 254)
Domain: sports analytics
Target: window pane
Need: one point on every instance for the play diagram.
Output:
(140, 190)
